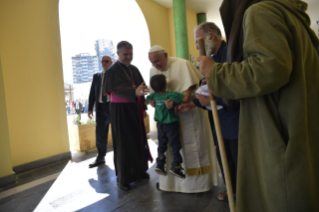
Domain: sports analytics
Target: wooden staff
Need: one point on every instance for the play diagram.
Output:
(219, 137)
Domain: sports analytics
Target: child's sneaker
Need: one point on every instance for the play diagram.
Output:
(160, 169)
(177, 171)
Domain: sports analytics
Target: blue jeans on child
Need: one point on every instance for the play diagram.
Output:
(169, 133)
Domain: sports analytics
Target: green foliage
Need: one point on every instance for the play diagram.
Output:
(77, 121)
(90, 121)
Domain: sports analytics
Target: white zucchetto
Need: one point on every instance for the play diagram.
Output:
(156, 48)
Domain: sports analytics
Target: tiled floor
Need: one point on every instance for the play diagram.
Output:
(27, 177)
(26, 200)
(79, 188)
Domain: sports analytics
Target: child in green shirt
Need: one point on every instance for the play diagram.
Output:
(167, 125)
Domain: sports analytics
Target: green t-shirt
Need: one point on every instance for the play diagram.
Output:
(162, 114)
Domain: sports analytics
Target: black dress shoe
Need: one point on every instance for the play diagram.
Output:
(124, 187)
(146, 176)
(97, 163)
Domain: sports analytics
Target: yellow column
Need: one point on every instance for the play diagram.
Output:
(33, 79)
(5, 152)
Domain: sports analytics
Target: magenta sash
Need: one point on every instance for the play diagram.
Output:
(116, 99)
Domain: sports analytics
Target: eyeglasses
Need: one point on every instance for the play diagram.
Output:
(105, 61)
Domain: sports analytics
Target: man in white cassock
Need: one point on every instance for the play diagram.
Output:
(199, 159)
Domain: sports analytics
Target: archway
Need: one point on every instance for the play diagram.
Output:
(82, 22)
(84, 25)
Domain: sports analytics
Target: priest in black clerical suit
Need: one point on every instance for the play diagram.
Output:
(102, 106)
(125, 85)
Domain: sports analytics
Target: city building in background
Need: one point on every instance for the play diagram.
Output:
(84, 66)
(105, 47)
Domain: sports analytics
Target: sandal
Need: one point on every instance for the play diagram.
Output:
(222, 197)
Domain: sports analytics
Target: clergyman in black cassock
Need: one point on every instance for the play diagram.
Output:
(125, 85)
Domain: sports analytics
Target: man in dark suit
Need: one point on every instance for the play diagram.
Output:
(78, 108)
(102, 112)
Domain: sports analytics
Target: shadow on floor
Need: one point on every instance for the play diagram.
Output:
(79, 188)
(145, 197)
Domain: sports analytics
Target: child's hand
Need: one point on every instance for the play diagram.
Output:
(151, 102)
(169, 104)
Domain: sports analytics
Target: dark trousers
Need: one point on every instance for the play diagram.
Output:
(102, 128)
(231, 150)
(169, 133)
(78, 112)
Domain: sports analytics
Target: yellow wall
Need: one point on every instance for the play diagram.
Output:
(33, 79)
(172, 32)
(160, 21)
(191, 24)
(157, 20)
(5, 154)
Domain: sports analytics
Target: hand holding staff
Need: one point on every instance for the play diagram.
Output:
(205, 64)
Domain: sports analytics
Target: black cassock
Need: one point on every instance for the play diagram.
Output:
(131, 151)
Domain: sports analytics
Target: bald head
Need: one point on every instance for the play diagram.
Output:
(158, 57)
(106, 62)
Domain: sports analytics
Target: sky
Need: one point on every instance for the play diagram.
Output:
(82, 22)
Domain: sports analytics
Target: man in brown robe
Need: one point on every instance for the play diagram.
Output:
(278, 85)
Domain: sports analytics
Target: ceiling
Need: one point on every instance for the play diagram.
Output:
(211, 8)
(202, 6)
(198, 6)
